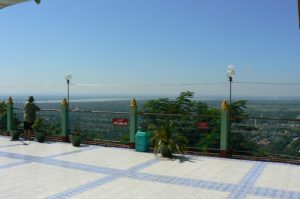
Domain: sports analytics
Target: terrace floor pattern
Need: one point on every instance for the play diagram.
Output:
(30, 169)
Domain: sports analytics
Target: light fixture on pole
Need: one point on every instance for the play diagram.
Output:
(68, 77)
(230, 75)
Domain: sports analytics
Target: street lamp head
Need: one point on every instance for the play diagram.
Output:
(230, 71)
(68, 77)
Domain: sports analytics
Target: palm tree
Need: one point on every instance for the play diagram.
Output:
(166, 140)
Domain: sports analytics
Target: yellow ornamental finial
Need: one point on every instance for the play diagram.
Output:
(10, 100)
(133, 103)
(225, 106)
(64, 102)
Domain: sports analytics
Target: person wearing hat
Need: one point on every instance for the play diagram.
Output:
(29, 116)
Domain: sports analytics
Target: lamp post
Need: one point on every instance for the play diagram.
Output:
(68, 77)
(230, 75)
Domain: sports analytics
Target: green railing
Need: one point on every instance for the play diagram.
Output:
(217, 133)
(51, 120)
(3, 122)
(262, 136)
(202, 131)
(92, 125)
(99, 125)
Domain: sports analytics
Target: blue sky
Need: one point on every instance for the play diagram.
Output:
(131, 47)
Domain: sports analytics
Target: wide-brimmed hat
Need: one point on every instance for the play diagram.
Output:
(30, 99)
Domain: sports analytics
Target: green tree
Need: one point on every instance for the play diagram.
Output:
(293, 148)
(240, 138)
(167, 140)
(237, 111)
(186, 111)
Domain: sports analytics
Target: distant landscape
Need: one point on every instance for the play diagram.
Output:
(288, 107)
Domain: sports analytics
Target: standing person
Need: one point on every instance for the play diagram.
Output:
(29, 116)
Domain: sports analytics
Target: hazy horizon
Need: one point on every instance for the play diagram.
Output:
(99, 98)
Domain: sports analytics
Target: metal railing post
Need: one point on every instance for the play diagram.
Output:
(133, 122)
(224, 137)
(64, 118)
(10, 107)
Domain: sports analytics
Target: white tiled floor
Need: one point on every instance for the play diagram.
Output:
(254, 197)
(6, 161)
(35, 180)
(210, 169)
(128, 189)
(39, 149)
(280, 176)
(59, 170)
(117, 158)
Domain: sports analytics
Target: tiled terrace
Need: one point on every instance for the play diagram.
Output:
(59, 170)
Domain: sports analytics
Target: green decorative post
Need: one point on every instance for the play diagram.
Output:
(224, 137)
(10, 107)
(133, 122)
(64, 118)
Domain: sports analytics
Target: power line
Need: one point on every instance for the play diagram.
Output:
(194, 84)
(270, 83)
(32, 86)
(150, 85)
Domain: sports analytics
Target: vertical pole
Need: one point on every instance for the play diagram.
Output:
(64, 119)
(229, 114)
(68, 119)
(68, 82)
(224, 137)
(68, 77)
(133, 122)
(230, 89)
(10, 107)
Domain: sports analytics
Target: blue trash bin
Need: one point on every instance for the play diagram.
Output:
(142, 141)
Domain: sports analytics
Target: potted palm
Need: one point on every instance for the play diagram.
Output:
(75, 138)
(16, 129)
(39, 130)
(166, 140)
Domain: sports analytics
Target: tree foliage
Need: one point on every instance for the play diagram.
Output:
(186, 112)
(166, 140)
(237, 111)
(241, 140)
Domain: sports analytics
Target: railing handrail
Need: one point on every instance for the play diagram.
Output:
(54, 110)
(174, 114)
(267, 118)
(82, 111)
(95, 111)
